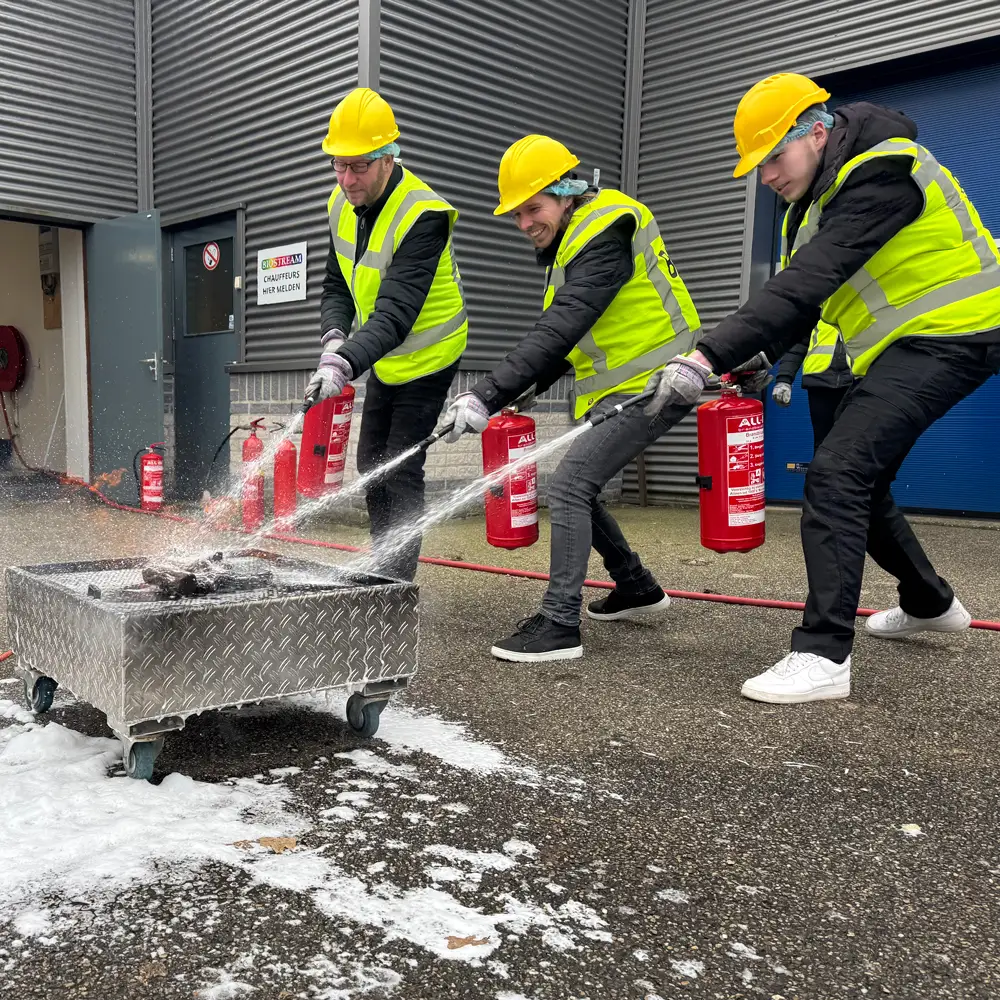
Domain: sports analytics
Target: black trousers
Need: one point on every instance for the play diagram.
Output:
(823, 406)
(394, 418)
(848, 505)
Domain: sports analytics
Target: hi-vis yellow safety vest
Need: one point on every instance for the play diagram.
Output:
(439, 334)
(937, 277)
(822, 347)
(652, 317)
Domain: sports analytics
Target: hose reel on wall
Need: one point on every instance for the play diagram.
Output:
(13, 359)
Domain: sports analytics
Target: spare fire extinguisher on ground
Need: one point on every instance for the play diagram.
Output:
(326, 431)
(253, 480)
(731, 472)
(151, 478)
(511, 505)
(285, 460)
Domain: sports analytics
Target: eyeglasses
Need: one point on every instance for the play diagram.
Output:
(357, 167)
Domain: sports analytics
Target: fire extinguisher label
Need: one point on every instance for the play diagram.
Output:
(745, 469)
(152, 483)
(336, 452)
(522, 483)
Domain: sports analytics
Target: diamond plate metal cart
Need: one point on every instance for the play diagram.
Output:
(275, 627)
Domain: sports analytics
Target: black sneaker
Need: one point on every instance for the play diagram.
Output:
(539, 638)
(617, 605)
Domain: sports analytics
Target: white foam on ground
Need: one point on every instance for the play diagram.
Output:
(70, 826)
(227, 988)
(11, 710)
(743, 952)
(65, 825)
(407, 728)
(673, 896)
(688, 968)
(520, 849)
(477, 861)
(336, 983)
(33, 923)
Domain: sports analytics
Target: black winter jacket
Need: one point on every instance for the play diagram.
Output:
(837, 376)
(401, 294)
(593, 278)
(878, 200)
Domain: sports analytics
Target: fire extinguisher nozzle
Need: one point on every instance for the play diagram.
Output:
(642, 397)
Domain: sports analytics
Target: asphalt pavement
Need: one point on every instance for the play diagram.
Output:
(624, 825)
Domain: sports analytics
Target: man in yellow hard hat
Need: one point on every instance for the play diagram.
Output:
(391, 267)
(616, 310)
(882, 244)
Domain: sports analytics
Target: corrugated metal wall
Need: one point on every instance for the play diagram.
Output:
(700, 58)
(67, 108)
(241, 98)
(465, 80)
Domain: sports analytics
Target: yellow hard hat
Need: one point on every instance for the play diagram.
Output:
(766, 113)
(361, 123)
(528, 166)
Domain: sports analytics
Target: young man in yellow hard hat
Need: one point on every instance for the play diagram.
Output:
(615, 309)
(881, 242)
(391, 266)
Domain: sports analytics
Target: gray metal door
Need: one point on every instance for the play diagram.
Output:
(125, 315)
(205, 342)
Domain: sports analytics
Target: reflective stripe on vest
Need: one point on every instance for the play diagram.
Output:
(652, 313)
(884, 278)
(439, 333)
(822, 348)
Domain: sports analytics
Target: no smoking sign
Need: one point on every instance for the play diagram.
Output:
(210, 256)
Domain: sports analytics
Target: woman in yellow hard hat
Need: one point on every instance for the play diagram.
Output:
(392, 267)
(881, 246)
(615, 310)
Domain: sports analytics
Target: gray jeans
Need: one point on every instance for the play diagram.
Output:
(580, 520)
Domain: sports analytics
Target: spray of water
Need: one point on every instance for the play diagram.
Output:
(452, 504)
(307, 508)
(200, 545)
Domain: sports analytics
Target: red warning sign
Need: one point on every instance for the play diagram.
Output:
(210, 256)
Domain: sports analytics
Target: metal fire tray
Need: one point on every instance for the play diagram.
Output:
(148, 662)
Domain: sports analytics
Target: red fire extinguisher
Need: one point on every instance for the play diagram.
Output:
(511, 505)
(284, 484)
(326, 431)
(731, 472)
(253, 480)
(151, 478)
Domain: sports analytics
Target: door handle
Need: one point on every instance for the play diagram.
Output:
(154, 365)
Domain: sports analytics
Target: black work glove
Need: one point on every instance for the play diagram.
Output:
(753, 375)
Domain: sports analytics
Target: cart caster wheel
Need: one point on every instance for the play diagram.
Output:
(39, 698)
(140, 759)
(362, 717)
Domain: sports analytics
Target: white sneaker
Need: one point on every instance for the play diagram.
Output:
(801, 677)
(897, 624)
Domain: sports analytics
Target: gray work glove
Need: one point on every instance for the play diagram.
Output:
(333, 374)
(782, 394)
(753, 375)
(681, 380)
(468, 414)
(333, 340)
